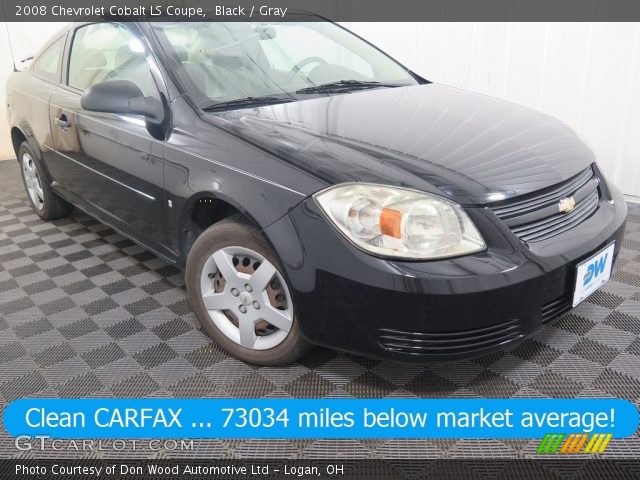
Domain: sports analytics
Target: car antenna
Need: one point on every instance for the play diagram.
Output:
(13, 58)
(6, 26)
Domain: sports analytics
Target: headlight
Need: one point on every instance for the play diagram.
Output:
(397, 222)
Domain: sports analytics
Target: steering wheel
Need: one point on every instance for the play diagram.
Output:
(295, 70)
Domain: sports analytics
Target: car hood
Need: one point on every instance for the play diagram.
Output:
(469, 147)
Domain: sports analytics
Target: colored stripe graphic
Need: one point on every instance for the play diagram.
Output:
(574, 443)
(580, 444)
(569, 443)
(599, 444)
(550, 443)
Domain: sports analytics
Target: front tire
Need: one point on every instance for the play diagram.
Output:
(44, 202)
(240, 295)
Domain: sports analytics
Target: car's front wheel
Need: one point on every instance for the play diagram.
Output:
(46, 204)
(240, 295)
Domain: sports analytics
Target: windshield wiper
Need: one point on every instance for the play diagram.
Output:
(245, 102)
(344, 85)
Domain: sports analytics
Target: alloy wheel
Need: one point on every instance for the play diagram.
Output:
(32, 181)
(247, 298)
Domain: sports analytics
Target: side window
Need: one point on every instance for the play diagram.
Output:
(47, 65)
(108, 51)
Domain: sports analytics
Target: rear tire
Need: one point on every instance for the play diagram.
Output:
(234, 271)
(44, 202)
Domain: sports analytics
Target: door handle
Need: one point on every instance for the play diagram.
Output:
(62, 122)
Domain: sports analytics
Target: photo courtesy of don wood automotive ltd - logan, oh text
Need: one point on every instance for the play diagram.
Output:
(342, 239)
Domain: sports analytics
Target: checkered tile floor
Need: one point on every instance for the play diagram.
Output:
(85, 312)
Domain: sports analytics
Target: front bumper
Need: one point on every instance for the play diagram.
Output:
(439, 310)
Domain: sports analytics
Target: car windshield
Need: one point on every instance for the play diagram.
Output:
(231, 65)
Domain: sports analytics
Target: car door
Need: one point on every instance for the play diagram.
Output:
(107, 163)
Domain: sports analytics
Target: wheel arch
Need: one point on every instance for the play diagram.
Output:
(204, 209)
(17, 139)
(22, 133)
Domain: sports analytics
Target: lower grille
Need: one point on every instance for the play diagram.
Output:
(421, 343)
(537, 217)
(557, 307)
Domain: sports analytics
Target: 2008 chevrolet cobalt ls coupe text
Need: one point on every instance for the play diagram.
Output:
(315, 190)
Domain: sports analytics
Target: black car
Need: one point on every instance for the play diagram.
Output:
(314, 189)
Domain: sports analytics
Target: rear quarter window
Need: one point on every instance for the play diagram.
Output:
(48, 64)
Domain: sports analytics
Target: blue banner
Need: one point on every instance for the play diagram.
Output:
(317, 418)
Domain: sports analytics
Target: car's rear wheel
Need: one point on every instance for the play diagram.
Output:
(240, 295)
(46, 204)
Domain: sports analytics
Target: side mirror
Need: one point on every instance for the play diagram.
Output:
(124, 97)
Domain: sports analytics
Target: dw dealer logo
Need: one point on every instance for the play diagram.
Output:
(594, 269)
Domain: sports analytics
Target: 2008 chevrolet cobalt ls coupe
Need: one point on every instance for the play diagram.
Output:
(315, 190)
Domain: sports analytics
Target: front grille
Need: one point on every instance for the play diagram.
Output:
(557, 307)
(432, 343)
(536, 217)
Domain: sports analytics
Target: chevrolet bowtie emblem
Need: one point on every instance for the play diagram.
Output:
(566, 205)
